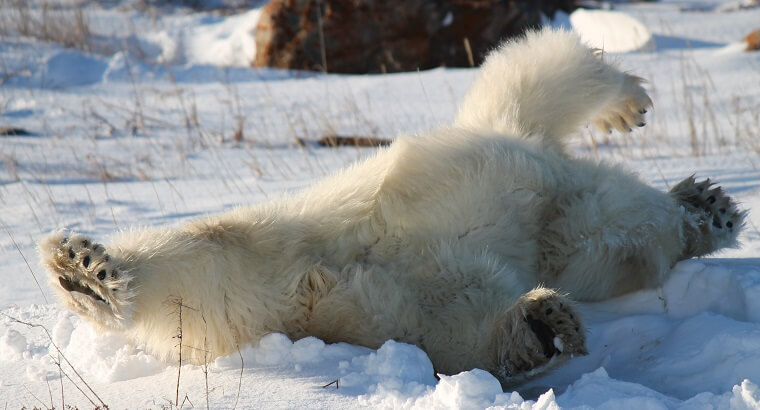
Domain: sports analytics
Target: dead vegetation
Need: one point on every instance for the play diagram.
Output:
(45, 21)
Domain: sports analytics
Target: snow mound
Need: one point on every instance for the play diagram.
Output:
(611, 31)
(229, 41)
(395, 369)
(12, 345)
(108, 357)
(72, 68)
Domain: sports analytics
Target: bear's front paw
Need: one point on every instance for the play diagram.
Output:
(627, 112)
(87, 279)
(713, 219)
(539, 332)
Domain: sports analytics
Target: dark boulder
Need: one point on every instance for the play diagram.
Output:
(370, 36)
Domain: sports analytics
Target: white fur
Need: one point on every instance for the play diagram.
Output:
(437, 240)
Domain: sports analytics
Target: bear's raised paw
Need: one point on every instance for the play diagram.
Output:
(87, 279)
(713, 219)
(627, 112)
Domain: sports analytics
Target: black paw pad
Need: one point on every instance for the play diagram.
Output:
(86, 261)
(101, 275)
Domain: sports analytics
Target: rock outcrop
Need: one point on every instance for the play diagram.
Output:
(370, 36)
(753, 40)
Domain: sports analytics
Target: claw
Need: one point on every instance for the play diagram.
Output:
(71, 286)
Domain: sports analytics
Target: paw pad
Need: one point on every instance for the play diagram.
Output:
(83, 267)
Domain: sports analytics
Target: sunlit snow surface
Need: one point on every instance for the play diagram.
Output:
(142, 132)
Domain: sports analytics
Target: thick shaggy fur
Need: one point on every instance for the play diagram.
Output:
(465, 241)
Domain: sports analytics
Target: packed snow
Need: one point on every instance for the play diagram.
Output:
(611, 31)
(158, 118)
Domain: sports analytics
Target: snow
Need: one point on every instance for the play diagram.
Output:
(611, 31)
(140, 131)
(12, 345)
(226, 42)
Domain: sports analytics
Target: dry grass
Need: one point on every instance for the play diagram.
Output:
(68, 26)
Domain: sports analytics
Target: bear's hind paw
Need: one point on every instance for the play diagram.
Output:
(86, 279)
(540, 332)
(714, 220)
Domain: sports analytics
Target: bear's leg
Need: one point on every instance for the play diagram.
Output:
(713, 220)
(469, 311)
(610, 233)
(148, 281)
(535, 333)
(548, 85)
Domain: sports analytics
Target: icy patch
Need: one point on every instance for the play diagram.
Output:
(611, 31)
(71, 68)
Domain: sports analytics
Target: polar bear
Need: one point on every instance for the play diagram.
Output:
(471, 241)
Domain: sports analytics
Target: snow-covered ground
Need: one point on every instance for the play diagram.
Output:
(162, 121)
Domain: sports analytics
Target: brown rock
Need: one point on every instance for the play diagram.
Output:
(370, 36)
(753, 40)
